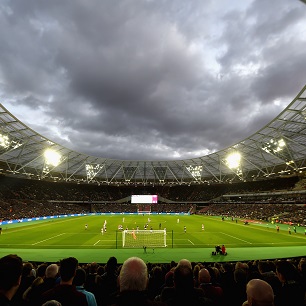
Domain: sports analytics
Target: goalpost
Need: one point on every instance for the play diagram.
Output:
(144, 238)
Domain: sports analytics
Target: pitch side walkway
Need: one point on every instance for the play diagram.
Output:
(159, 255)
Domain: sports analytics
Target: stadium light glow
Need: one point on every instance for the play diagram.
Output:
(52, 157)
(195, 171)
(9, 144)
(233, 160)
(278, 147)
(4, 141)
(274, 146)
(92, 170)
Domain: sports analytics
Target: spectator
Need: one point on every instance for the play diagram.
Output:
(52, 303)
(291, 292)
(223, 250)
(79, 281)
(185, 262)
(28, 295)
(107, 283)
(242, 265)
(91, 275)
(215, 275)
(196, 269)
(302, 271)
(41, 270)
(267, 271)
(253, 271)
(133, 281)
(65, 292)
(156, 282)
(239, 290)
(259, 293)
(184, 292)
(10, 277)
(227, 281)
(215, 293)
(51, 274)
(28, 275)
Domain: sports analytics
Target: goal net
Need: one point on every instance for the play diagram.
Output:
(144, 238)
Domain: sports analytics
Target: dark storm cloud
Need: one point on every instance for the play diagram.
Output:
(274, 41)
(146, 79)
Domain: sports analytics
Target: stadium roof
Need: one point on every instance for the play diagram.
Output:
(277, 149)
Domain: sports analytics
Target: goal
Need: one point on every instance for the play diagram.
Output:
(144, 238)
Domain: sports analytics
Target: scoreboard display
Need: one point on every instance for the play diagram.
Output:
(144, 199)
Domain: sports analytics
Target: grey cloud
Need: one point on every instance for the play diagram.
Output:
(150, 80)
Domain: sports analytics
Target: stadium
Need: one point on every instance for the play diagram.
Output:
(153, 153)
(56, 202)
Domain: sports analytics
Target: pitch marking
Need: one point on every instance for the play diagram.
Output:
(236, 238)
(48, 239)
(97, 242)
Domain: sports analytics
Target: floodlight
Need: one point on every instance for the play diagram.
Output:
(52, 157)
(195, 171)
(233, 160)
(274, 146)
(281, 143)
(4, 141)
(277, 148)
(92, 170)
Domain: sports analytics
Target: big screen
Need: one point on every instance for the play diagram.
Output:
(144, 198)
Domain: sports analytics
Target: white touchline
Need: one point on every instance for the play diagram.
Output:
(48, 238)
(236, 238)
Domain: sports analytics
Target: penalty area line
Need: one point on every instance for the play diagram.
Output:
(97, 242)
(48, 239)
(237, 238)
(190, 241)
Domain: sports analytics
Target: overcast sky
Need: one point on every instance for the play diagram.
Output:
(150, 80)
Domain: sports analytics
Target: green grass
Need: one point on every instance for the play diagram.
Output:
(58, 238)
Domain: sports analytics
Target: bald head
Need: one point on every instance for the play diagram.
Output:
(204, 276)
(133, 275)
(259, 293)
(52, 271)
(185, 262)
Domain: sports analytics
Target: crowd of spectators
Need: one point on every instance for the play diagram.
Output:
(274, 282)
(30, 189)
(25, 198)
(16, 210)
(283, 213)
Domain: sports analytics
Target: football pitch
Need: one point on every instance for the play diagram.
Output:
(52, 240)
